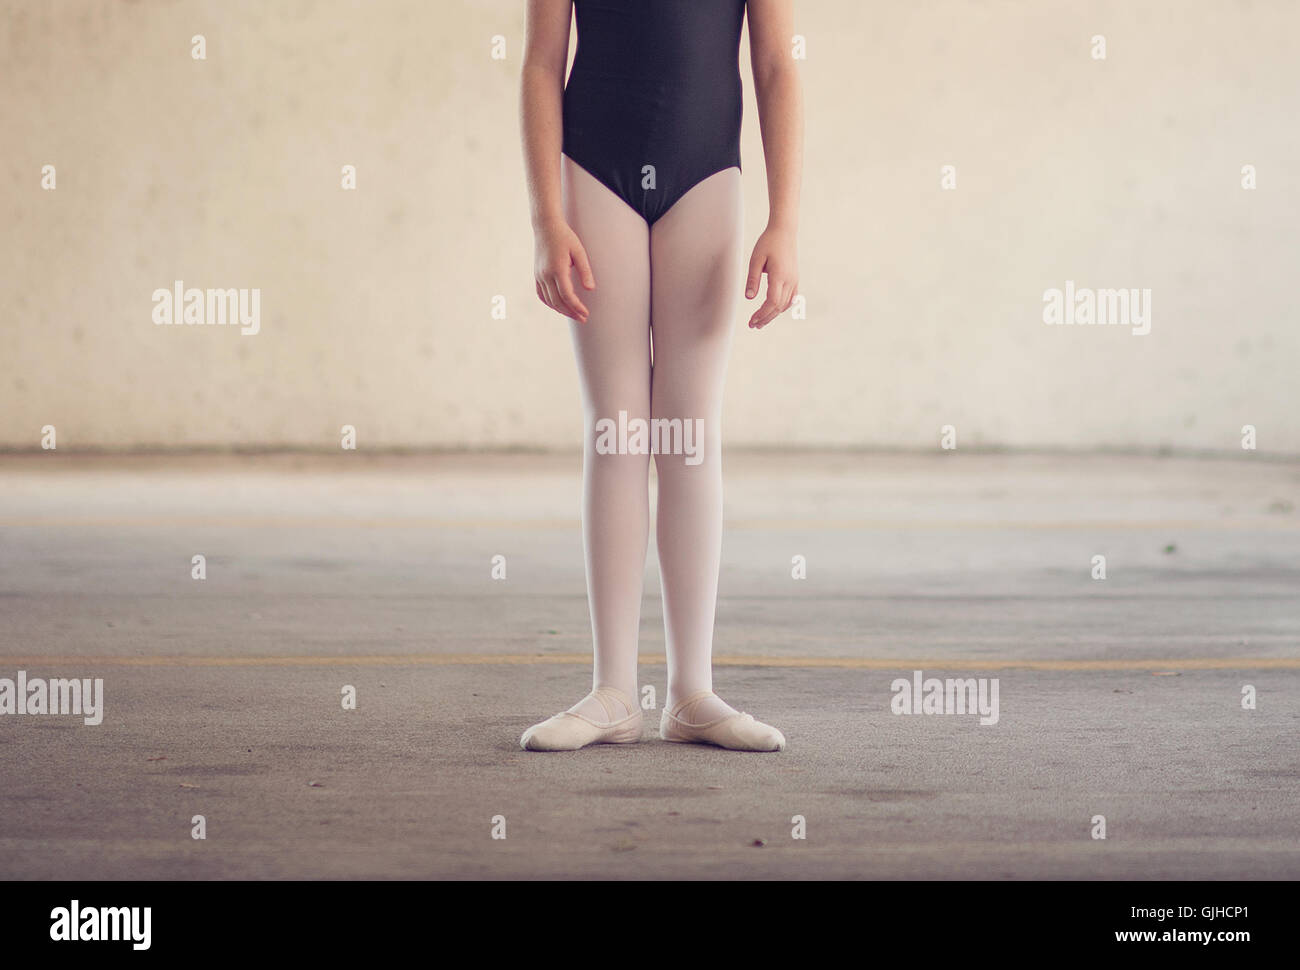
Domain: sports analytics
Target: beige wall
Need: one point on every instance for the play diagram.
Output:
(924, 306)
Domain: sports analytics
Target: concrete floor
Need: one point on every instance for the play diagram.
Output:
(1119, 697)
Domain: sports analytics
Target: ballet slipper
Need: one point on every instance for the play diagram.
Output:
(569, 731)
(737, 732)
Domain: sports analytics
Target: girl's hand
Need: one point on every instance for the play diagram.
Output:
(774, 254)
(557, 249)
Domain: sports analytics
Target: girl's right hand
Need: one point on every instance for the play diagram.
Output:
(557, 249)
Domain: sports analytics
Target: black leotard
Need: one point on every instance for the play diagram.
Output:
(655, 83)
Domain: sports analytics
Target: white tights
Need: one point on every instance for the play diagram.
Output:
(669, 290)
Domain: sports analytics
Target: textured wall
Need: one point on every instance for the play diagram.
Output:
(924, 305)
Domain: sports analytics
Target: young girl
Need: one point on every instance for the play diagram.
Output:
(634, 180)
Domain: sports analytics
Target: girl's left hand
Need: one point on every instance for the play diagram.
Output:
(774, 254)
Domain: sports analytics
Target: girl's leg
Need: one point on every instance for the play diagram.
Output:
(613, 355)
(697, 274)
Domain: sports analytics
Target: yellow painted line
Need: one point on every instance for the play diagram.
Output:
(743, 525)
(850, 663)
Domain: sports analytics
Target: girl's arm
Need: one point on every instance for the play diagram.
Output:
(780, 115)
(546, 54)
